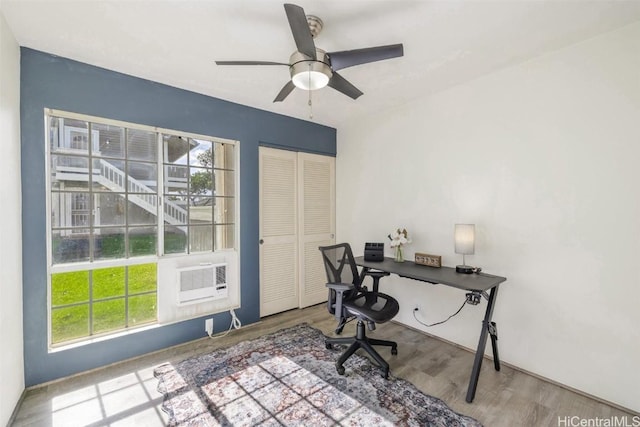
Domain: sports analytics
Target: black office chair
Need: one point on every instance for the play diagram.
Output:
(349, 300)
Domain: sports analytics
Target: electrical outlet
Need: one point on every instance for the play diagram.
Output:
(208, 326)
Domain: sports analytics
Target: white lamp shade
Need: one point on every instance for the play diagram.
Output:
(465, 238)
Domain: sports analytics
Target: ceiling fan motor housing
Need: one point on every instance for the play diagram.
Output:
(308, 73)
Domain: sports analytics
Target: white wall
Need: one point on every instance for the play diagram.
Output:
(544, 158)
(11, 355)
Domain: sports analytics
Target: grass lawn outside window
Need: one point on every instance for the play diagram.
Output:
(87, 303)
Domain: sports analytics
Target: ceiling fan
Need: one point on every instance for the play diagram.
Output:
(312, 68)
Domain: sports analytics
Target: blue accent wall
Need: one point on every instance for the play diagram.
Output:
(48, 81)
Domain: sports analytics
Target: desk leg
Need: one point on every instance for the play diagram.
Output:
(477, 363)
(493, 332)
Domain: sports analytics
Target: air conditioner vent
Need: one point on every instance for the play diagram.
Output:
(221, 275)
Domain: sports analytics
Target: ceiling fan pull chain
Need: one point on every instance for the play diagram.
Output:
(310, 104)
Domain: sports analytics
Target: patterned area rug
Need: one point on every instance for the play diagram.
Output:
(289, 378)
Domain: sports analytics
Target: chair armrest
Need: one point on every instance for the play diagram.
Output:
(340, 289)
(376, 275)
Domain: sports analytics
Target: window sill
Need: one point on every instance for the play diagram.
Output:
(76, 344)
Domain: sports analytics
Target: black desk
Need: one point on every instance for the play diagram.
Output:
(475, 283)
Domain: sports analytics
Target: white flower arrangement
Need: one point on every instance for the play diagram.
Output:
(399, 237)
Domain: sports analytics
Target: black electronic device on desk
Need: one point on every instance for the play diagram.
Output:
(374, 252)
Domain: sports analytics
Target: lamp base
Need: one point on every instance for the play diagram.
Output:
(465, 269)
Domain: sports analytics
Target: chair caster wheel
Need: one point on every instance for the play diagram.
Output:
(340, 370)
(394, 350)
(385, 375)
(328, 345)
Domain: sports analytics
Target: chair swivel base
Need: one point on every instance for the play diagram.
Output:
(361, 341)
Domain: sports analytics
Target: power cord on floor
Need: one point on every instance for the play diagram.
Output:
(235, 324)
(415, 310)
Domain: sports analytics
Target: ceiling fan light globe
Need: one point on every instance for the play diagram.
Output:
(310, 80)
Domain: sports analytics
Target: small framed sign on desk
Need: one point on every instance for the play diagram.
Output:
(428, 260)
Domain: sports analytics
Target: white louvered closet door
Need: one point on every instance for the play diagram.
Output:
(278, 231)
(316, 218)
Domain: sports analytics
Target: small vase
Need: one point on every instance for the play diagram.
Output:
(399, 254)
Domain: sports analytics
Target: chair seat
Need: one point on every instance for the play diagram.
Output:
(373, 307)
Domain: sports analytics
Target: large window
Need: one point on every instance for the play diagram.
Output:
(122, 195)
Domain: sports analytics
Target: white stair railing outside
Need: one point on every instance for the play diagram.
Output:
(114, 179)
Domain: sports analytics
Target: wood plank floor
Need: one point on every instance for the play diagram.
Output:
(125, 394)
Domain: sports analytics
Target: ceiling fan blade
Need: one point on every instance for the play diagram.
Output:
(349, 58)
(300, 29)
(340, 84)
(249, 63)
(285, 91)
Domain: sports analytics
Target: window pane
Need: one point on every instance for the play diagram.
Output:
(69, 172)
(175, 179)
(70, 245)
(176, 149)
(110, 209)
(108, 175)
(109, 243)
(69, 288)
(108, 315)
(111, 140)
(143, 177)
(223, 156)
(201, 181)
(201, 210)
(175, 209)
(175, 240)
(108, 282)
(142, 309)
(69, 323)
(142, 241)
(225, 184)
(224, 237)
(70, 136)
(70, 210)
(200, 238)
(142, 208)
(141, 145)
(200, 153)
(76, 138)
(142, 278)
(224, 210)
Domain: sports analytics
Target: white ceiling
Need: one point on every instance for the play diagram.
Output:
(446, 42)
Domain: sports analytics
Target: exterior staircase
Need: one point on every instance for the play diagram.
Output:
(117, 181)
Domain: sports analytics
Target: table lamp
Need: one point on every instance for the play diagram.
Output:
(465, 237)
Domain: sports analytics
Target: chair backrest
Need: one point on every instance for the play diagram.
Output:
(341, 267)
